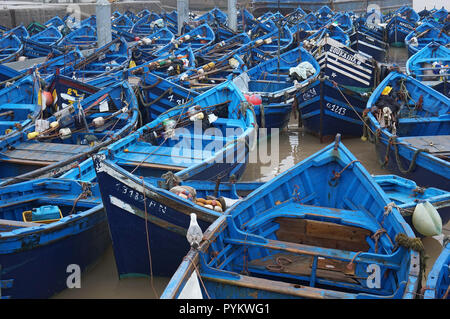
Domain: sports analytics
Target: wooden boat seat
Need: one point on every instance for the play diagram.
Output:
(43, 153)
(336, 255)
(421, 120)
(294, 211)
(435, 144)
(161, 157)
(284, 288)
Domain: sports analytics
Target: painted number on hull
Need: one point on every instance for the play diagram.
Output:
(336, 109)
(309, 94)
(140, 198)
(179, 102)
(374, 278)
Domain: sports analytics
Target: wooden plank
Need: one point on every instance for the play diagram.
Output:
(14, 223)
(434, 144)
(322, 234)
(301, 266)
(45, 152)
(280, 287)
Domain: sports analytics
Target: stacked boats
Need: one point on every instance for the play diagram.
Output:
(141, 142)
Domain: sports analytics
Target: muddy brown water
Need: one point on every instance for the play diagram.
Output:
(101, 280)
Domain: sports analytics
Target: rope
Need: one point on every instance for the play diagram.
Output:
(376, 236)
(416, 245)
(337, 175)
(198, 273)
(147, 237)
(85, 193)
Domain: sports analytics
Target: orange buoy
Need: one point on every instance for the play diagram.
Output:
(48, 98)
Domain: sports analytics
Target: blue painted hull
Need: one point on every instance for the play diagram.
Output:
(438, 279)
(38, 268)
(402, 151)
(369, 46)
(166, 223)
(275, 115)
(325, 112)
(397, 30)
(433, 175)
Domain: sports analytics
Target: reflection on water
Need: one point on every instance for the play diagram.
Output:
(101, 281)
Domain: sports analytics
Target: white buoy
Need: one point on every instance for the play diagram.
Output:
(426, 219)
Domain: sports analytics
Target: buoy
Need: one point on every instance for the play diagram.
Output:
(48, 98)
(98, 121)
(426, 219)
(65, 133)
(54, 124)
(136, 38)
(32, 135)
(255, 99)
(247, 97)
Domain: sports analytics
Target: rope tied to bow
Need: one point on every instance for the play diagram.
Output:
(337, 175)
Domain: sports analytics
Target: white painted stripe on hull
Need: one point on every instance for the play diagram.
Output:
(330, 64)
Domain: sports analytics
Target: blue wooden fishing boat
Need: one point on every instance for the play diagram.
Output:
(134, 17)
(369, 36)
(409, 123)
(19, 105)
(440, 15)
(369, 46)
(198, 38)
(20, 32)
(335, 102)
(169, 64)
(277, 86)
(84, 37)
(431, 65)
(438, 280)
(77, 120)
(324, 14)
(50, 226)
(90, 21)
(56, 22)
(406, 194)
(291, 238)
(111, 57)
(35, 27)
(157, 95)
(54, 64)
(214, 52)
(400, 25)
(423, 35)
(122, 23)
(42, 43)
(245, 20)
(148, 45)
(7, 73)
(213, 15)
(330, 31)
(147, 24)
(10, 48)
(144, 156)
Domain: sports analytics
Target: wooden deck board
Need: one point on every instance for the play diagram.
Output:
(436, 144)
(45, 152)
(301, 266)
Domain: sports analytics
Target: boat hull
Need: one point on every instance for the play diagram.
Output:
(426, 173)
(324, 110)
(35, 265)
(143, 233)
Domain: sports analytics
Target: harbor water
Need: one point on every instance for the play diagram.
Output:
(101, 280)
